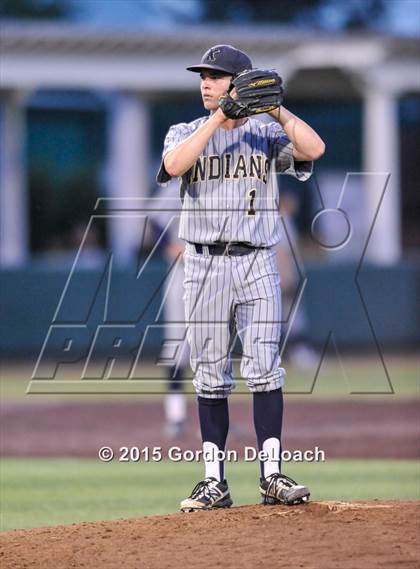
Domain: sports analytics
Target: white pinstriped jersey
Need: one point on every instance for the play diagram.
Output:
(229, 195)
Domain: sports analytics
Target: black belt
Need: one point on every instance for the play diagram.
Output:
(227, 248)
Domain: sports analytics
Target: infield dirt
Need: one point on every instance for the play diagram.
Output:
(317, 535)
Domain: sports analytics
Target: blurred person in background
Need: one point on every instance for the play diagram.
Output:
(175, 403)
(298, 351)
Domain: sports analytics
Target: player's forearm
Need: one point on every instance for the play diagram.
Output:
(184, 156)
(308, 145)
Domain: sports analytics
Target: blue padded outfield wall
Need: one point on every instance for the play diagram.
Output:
(30, 297)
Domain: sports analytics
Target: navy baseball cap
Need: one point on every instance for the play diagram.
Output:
(225, 58)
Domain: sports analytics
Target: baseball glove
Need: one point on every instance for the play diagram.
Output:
(257, 91)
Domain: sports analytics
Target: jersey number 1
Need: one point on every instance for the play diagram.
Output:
(251, 194)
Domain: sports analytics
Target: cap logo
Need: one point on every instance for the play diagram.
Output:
(212, 55)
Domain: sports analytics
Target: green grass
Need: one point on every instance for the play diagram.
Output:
(338, 378)
(40, 492)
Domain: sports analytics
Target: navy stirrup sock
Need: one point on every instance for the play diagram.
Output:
(214, 423)
(268, 419)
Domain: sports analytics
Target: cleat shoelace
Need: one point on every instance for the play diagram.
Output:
(278, 479)
(205, 489)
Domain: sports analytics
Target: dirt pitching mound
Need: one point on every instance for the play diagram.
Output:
(345, 535)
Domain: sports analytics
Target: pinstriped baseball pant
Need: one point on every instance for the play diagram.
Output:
(223, 294)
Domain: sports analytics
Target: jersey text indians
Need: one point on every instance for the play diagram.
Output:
(214, 167)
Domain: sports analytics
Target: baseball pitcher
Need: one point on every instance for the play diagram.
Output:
(230, 222)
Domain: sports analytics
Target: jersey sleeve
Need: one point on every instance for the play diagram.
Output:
(176, 134)
(282, 153)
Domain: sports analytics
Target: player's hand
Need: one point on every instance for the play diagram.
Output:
(220, 116)
(256, 91)
(234, 95)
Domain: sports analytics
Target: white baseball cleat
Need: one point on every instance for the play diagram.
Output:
(280, 489)
(208, 494)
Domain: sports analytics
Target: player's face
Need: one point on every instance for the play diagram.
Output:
(213, 85)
